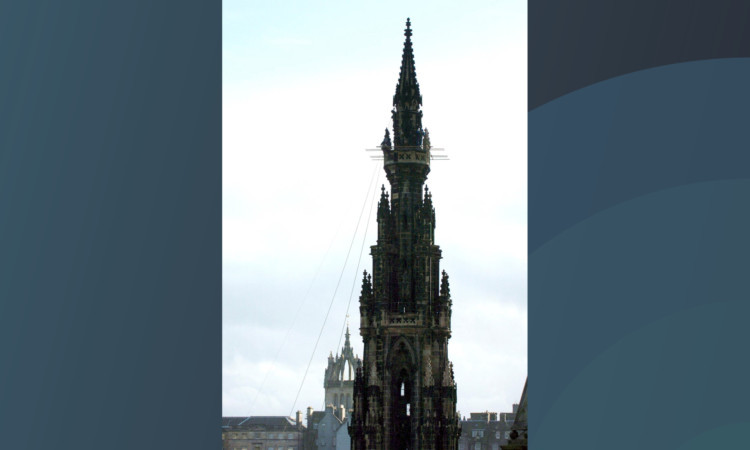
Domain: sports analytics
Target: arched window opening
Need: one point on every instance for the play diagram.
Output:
(347, 375)
(401, 408)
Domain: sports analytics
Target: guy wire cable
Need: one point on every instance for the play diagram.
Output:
(359, 260)
(296, 315)
(317, 341)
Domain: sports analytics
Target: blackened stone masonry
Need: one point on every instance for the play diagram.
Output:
(405, 393)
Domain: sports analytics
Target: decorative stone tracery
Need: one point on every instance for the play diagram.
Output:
(406, 399)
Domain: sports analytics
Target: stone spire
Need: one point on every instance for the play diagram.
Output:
(407, 117)
(405, 395)
(407, 88)
(445, 290)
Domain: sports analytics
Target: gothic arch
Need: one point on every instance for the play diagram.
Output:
(402, 350)
(402, 386)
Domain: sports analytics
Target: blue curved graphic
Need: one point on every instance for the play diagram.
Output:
(636, 134)
(639, 260)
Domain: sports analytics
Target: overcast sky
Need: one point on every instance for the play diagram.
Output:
(307, 87)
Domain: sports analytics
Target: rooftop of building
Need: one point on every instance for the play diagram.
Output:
(275, 423)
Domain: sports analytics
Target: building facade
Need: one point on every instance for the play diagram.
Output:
(486, 430)
(328, 429)
(262, 433)
(519, 434)
(405, 393)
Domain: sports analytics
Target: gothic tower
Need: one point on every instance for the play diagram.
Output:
(405, 394)
(339, 376)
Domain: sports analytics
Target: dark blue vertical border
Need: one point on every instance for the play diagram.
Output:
(639, 211)
(110, 224)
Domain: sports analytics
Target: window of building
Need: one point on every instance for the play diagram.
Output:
(478, 446)
(270, 436)
(347, 375)
(290, 436)
(477, 433)
(507, 435)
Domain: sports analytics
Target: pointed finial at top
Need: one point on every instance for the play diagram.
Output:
(444, 286)
(406, 114)
(407, 80)
(347, 344)
(386, 144)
